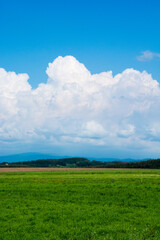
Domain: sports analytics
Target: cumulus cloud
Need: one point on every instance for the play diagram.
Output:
(77, 108)
(148, 56)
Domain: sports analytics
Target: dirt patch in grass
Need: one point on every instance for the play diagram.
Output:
(8, 169)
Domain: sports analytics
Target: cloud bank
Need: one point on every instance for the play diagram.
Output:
(76, 108)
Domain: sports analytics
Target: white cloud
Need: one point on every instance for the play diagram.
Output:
(76, 107)
(93, 129)
(148, 56)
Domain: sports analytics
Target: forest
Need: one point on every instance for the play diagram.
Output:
(84, 162)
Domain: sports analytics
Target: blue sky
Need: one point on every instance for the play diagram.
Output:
(104, 36)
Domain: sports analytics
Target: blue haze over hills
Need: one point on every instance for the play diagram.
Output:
(22, 157)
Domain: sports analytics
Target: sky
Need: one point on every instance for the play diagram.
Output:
(80, 78)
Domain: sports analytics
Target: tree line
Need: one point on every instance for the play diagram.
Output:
(84, 162)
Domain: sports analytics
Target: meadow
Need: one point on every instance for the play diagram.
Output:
(80, 205)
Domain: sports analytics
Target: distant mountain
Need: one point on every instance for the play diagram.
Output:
(116, 159)
(23, 157)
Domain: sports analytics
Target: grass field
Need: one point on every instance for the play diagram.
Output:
(80, 205)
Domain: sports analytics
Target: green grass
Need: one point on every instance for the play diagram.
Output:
(83, 205)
